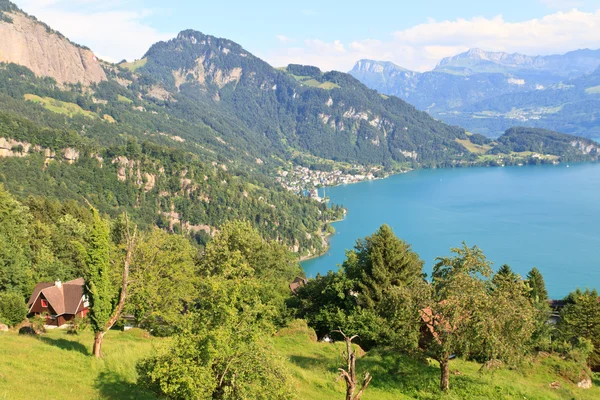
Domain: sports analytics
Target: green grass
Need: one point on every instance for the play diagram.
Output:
(593, 90)
(309, 81)
(124, 99)
(60, 366)
(134, 65)
(59, 107)
(474, 148)
(314, 369)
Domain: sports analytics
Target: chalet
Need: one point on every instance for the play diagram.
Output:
(60, 302)
(297, 283)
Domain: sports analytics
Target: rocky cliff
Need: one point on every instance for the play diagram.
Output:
(27, 42)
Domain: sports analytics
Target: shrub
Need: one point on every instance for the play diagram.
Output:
(38, 323)
(13, 309)
(78, 325)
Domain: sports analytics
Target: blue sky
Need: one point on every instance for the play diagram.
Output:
(331, 35)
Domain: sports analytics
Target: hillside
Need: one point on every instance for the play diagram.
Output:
(522, 145)
(28, 42)
(67, 359)
(488, 92)
(200, 132)
(570, 107)
(330, 115)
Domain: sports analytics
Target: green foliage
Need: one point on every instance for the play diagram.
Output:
(13, 309)
(544, 142)
(163, 280)
(222, 351)
(78, 325)
(98, 283)
(380, 262)
(372, 295)
(580, 319)
(15, 265)
(535, 281)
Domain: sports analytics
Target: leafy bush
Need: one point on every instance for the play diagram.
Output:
(78, 325)
(38, 323)
(13, 309)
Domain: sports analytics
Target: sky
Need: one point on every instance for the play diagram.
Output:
(414, 34)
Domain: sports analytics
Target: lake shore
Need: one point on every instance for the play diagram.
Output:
(504, 211)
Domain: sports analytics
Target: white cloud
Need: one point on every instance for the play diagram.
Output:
(102, 25)
(421, 47)
(284, 39)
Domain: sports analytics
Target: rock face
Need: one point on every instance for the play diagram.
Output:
(29, 43)
(3, 328)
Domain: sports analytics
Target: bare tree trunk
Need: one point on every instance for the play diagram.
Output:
(349, 374)
(445, 374)
(123, 296)
(97, 350)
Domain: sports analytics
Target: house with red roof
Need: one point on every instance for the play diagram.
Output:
(59, 302)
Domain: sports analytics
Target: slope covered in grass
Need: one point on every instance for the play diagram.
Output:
(60, 366)
(314, 367)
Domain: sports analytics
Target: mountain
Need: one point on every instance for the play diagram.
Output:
(200, 131)
(461, 89)
(28, 42)
(569, 65)
(329, 115)
(571, 107)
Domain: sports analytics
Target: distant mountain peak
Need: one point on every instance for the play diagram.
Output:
(373, 66)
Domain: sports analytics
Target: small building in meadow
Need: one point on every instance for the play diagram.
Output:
(59, 302)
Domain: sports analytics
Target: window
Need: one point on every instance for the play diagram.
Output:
(44, 303)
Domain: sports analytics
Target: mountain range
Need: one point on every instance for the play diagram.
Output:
(200, 131)
(542, 91)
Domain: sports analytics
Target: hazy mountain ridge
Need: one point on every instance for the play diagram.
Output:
(489, 92)
(568, 65)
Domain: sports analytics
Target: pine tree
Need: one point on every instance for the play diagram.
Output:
(382, 261)
(535, 281)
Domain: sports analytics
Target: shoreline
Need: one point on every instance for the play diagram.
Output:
(326, 237)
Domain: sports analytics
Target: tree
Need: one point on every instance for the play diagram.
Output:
(349, 374)
(505, 273)
(372, 294)
(163, 280)
(380, 262)
(106, 303)
(223, 350)
(465, 313)
(580, 318)
(15, 265)
(536, 283)
(13, 309)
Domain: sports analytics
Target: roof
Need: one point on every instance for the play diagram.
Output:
(298, 282)
(64, 299)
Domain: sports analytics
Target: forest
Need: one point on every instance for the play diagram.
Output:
(219, 304)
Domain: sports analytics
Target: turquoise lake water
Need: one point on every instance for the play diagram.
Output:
(542, 216)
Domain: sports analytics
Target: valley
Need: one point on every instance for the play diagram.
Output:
(206, 220)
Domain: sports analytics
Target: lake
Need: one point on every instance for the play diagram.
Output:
(542, 216)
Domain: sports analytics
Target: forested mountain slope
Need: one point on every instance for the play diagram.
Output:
(330, 115)
(194, 134)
